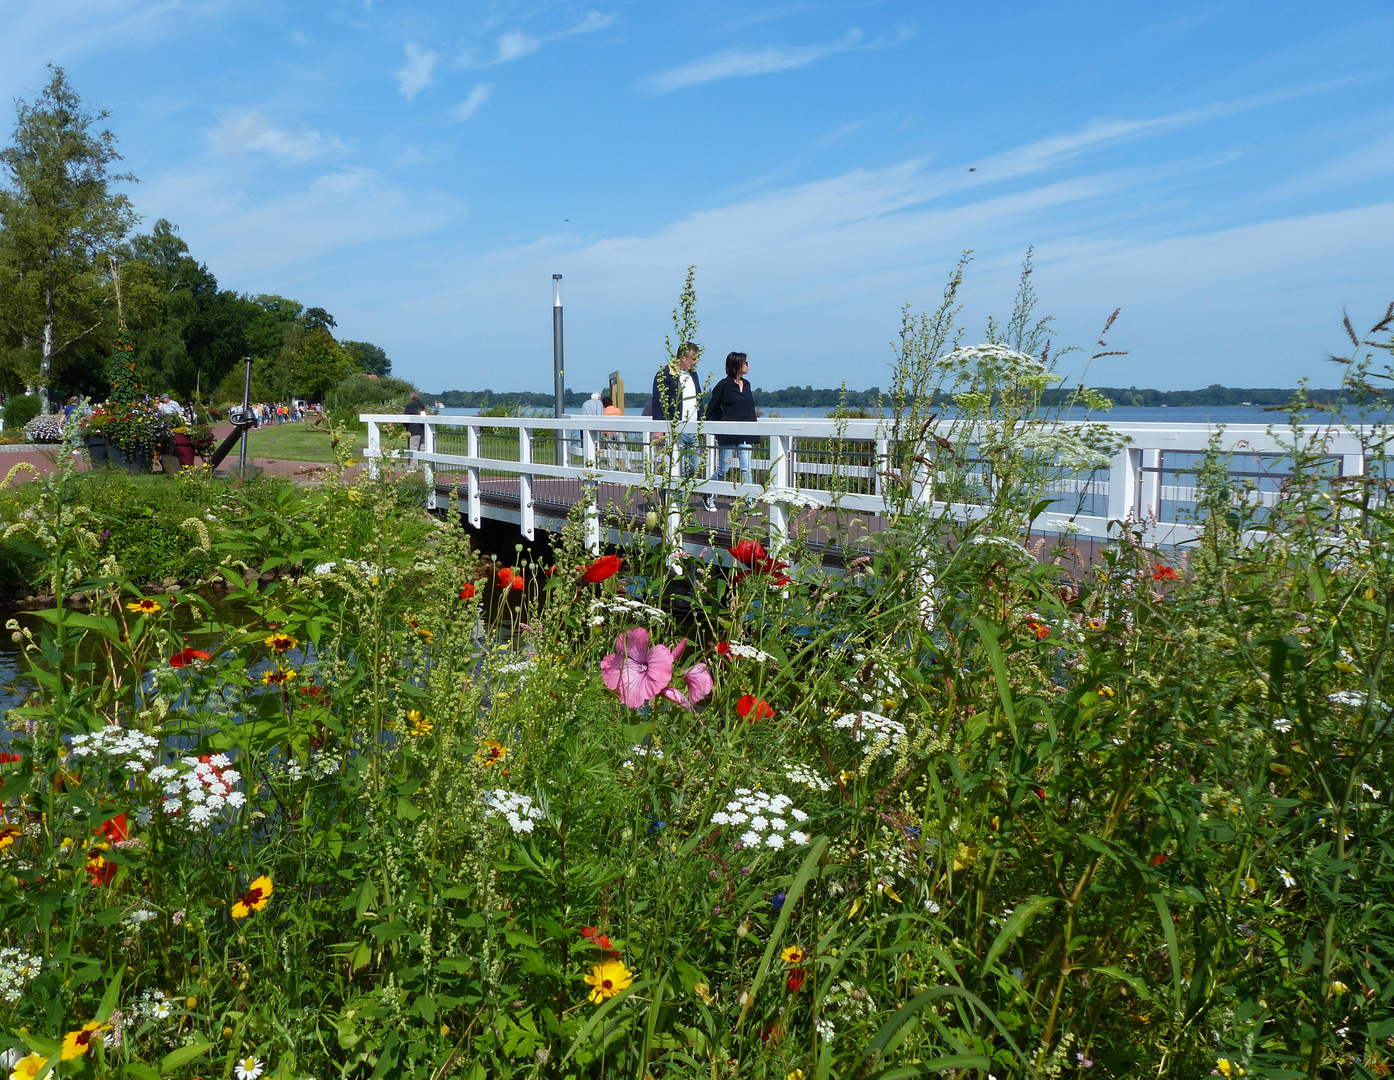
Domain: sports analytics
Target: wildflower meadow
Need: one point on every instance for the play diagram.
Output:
(969, 805)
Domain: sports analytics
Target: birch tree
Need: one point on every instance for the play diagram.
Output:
(59, 221)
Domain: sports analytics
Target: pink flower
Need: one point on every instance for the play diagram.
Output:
(699, 684)
(637, 671)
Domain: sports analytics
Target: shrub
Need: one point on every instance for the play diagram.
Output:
(20, 409)
(45, 428)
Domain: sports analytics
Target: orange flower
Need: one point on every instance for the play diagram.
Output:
(1163, 572)
(278, 676)
(99, 871)
(116, 829)
(188, 656)
(1038, 628)
(490, 752)
(467, 591)
(257, 896)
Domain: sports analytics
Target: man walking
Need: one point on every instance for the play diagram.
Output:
(677, 391)
(416, 433)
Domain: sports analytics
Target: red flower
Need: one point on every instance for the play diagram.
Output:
(723, 648)
(1039, 793)
(5, 759)
(1039, 629)
(752, 708)
(188, 656)
(316, 692)
(1157, 860)
(467, 592)
(796, 980)
(99, 871)
(1163, 572)
(510, 579)
(749, 552)
(115, 829)
(596, 938)
(607, 566)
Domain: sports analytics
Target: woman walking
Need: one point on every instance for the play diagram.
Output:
(732, 400)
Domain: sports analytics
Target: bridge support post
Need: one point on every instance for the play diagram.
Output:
(1150, 486)
(1123, 485)
(672, 531)
(428, 446)
(472, 507)
(590, 490)
(527, 519)
(374, 454)
(781, 476)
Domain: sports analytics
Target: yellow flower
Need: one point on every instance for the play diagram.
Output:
(278, 676)
(76, 1043)
(145, 607)
(419, 724)
(608, 979)
(704, 993)
(794, 954)
(490, 752)
(280, 642)
(8, 835)
(257, 896)
(1337, 987)
(28, 1068)
(1227, 1068)
(797, 1074)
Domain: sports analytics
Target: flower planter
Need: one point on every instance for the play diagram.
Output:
(137, 464)
(184, 450)
(96, 448)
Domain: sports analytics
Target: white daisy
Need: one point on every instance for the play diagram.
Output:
(249, 1068)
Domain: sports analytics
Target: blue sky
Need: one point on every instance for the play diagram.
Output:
(1220, 171)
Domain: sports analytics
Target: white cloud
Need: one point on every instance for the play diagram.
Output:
(515, 44)
(248, 131)
(739, 63)
(735, 63)
(417, 72)
(478, 96)
(594, 20)
(266, 242)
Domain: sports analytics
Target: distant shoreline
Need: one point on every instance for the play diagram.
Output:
(808, 397)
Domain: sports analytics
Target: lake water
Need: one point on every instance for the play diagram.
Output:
(1121, 414)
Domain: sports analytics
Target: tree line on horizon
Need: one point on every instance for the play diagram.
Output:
(809, 397)
(75, 276)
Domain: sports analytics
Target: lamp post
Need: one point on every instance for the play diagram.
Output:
(246, 409)
(558, 370)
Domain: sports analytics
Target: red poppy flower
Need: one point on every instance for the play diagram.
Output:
(1157, 860)
(596, 938)
(313, 691)
(752, 708)
(99, 871)
(5, 759)
(467, 591)
(115, 829)
(796, 980)
(188, 656)
(723, 648)
(510, 579)
(749, 552)
(607, 566)
(1163, 572)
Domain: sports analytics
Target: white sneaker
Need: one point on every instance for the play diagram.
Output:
(709, 503)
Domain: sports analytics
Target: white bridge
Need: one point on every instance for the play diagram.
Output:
(827, 477)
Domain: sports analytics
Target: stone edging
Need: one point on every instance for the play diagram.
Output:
(26, 447)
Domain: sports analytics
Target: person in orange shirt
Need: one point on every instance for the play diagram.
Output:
(613, 439)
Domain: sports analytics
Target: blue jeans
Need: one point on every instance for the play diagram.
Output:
(731, 456)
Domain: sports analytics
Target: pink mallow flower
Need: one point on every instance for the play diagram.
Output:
(699, 684)
(636, 670)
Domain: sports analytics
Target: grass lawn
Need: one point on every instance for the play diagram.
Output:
(296, 442)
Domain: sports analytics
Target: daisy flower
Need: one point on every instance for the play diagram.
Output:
(249, 1068)
(490, 752)
(257, 896)
(279, 642)
(419, 724)
(145, 607)
(607, 979)
(794, 954)
(77, 1043)
(278, 676)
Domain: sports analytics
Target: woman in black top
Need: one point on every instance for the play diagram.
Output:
(732, 400)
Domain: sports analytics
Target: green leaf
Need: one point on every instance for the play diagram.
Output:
(140, 1072)
(185, 1054)
(938, 1065)
(1169, 932)
(600, 1014)
(1015, 926)
(518, 937)
(406, 809)
(988, 636)
(791, 898)
(889, 1029)
(1138, 986)
(110, 998)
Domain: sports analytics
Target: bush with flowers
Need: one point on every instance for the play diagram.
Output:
(402, 817)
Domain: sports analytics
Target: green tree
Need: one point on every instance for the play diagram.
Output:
(59, 223)
(370, 359)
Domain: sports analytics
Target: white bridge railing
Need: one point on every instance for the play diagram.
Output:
(1147, 483)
